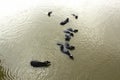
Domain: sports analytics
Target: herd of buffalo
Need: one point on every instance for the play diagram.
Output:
(64, 47)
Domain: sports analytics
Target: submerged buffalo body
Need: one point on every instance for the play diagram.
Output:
(76, 17)
(40, 64)
(49, 13)
(65, 21)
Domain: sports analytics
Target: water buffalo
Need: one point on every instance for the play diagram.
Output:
(76, 17)
(49, 13)
(68, 32)
(67, 45)
(40, 64)
(67, 37)
(65, 21)
(64, 50)
(73, 30)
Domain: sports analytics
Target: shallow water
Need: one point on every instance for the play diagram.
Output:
(31, 35)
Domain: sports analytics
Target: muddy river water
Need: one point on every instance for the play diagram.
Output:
(27, 33)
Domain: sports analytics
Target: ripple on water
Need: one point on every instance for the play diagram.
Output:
(7, 75)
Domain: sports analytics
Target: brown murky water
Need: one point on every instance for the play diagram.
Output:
(31, 35)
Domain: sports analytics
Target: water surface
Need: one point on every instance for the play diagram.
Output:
(30, 34)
